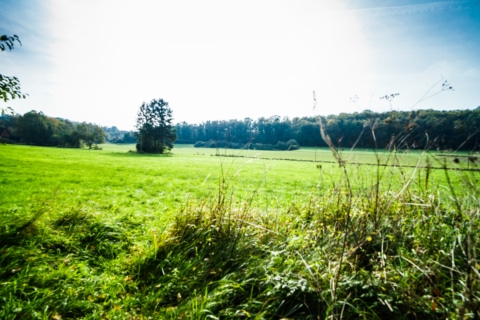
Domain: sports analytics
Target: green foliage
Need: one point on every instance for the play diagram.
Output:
(412, 130)
(281, 145)
(8, 42)
(10, 89)
(90, 134)
(154, 123)
(35, 128)
(9, 86)
(114, 135)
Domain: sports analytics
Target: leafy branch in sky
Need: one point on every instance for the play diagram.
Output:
(9, 86)
(8, 42)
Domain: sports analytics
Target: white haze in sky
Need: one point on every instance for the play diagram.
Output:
(98, 60)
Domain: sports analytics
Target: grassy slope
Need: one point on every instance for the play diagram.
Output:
(115, 234)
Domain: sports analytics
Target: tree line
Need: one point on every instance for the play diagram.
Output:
(420, 129)
(35, 128)
(156, 133)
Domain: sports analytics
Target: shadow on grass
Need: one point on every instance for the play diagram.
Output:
(133, 154)
(19, 232)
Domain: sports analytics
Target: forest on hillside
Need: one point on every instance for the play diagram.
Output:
(420, 129)
(36, 128)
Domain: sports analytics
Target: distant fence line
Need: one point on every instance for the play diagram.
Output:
(354, 163)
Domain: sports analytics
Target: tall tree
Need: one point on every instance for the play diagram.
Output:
(156, 133)
(35, 128)
(90, 134)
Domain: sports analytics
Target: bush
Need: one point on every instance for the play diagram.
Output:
(222, 144)
(293, 144)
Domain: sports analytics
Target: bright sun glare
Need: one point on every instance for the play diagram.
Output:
(194, 53)
(217, 60)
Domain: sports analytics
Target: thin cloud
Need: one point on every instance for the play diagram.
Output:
(413, 9)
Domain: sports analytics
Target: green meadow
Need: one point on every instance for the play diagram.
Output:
(224, 234)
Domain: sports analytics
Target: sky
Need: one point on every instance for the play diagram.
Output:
(99, 60)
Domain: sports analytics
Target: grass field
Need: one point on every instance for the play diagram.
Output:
(224, 234)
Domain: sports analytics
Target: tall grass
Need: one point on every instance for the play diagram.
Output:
(356, 244)
(404, 253)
